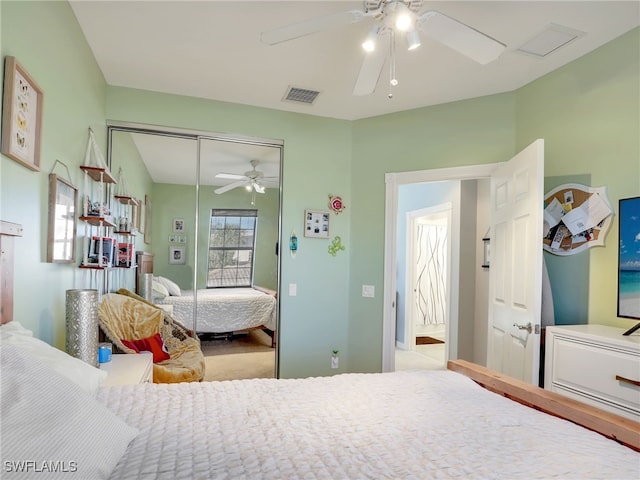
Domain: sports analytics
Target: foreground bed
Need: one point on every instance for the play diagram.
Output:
(401, 425)
(420, 424)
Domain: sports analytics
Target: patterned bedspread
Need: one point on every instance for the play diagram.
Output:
(224, 309)
(402, 425)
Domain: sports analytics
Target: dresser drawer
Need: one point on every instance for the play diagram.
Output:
(596, 371)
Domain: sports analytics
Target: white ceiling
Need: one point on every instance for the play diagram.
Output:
(212, 50)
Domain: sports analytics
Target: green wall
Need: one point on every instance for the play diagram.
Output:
(472, 132)
(587, 112)
(316, 161)
(47, 41)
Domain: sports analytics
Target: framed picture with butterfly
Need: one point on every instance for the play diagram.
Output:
(21, 115)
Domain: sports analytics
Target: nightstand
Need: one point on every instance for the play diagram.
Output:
(128, 369)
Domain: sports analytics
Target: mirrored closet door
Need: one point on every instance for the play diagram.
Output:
(209, 218)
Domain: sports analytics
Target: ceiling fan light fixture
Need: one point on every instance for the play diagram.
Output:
(369, 44)
(258, 188)
(404, 20)
(248, 187)
(413, 39)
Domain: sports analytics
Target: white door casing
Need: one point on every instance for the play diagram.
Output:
(515, 276)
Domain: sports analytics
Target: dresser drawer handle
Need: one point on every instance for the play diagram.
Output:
(628, 380)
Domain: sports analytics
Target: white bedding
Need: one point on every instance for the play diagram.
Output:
(402, 425)
(224, 309)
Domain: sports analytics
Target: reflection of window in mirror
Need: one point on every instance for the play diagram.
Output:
(63, 198)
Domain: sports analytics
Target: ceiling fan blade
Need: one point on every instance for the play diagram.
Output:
(231, 186)
(460, 37)
(313, 25)
(230, 176)
(372, 68)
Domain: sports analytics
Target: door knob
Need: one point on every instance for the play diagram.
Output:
(528, 327)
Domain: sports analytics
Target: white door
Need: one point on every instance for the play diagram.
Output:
(515, 272)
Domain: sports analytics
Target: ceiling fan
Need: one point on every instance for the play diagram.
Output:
(394, 18)
(251, 180)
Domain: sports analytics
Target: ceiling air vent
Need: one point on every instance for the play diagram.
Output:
(550, 40)
(300, 95)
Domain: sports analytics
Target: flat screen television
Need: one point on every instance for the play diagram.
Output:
(629, 260)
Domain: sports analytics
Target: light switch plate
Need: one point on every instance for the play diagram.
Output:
(293, 289)
(368, 291)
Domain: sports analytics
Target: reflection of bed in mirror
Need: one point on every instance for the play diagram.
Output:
(219, 310)
(222, 310)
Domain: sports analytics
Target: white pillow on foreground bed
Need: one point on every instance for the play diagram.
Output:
(52, 428)
(81, 373)
(172, 287)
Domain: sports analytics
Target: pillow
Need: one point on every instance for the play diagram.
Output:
(159, 290)
(50, 424)
(84, 375)
(173, 288)
(153, 344)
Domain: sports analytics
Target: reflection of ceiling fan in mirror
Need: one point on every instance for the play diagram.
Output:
(393, 19)
(251, 180)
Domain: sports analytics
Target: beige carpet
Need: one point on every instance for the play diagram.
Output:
(244, 356)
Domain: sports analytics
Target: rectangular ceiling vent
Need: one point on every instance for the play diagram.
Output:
(300, 95)
(549, 40)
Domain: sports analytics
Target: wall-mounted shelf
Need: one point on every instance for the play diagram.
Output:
(98, 174)
(98, 221)
(126, 200)
(95, 267)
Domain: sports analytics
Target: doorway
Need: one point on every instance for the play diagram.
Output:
(460, 244)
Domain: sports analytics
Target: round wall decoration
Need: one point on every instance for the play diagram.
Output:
(335, 203)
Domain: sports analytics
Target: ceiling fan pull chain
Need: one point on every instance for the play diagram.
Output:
(392, 63)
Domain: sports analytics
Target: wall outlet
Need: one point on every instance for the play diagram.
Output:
(334, 361)
(293, 289)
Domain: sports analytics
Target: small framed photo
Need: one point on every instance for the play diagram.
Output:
(316, 224)
(21, 115)
(177, 256)
(178, 225)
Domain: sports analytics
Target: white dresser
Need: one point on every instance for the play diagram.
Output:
(594, 364)
(128, 369)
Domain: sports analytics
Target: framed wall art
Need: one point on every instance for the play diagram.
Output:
(316, 224)
(178, 225)
(177, 255)
(21, 115)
